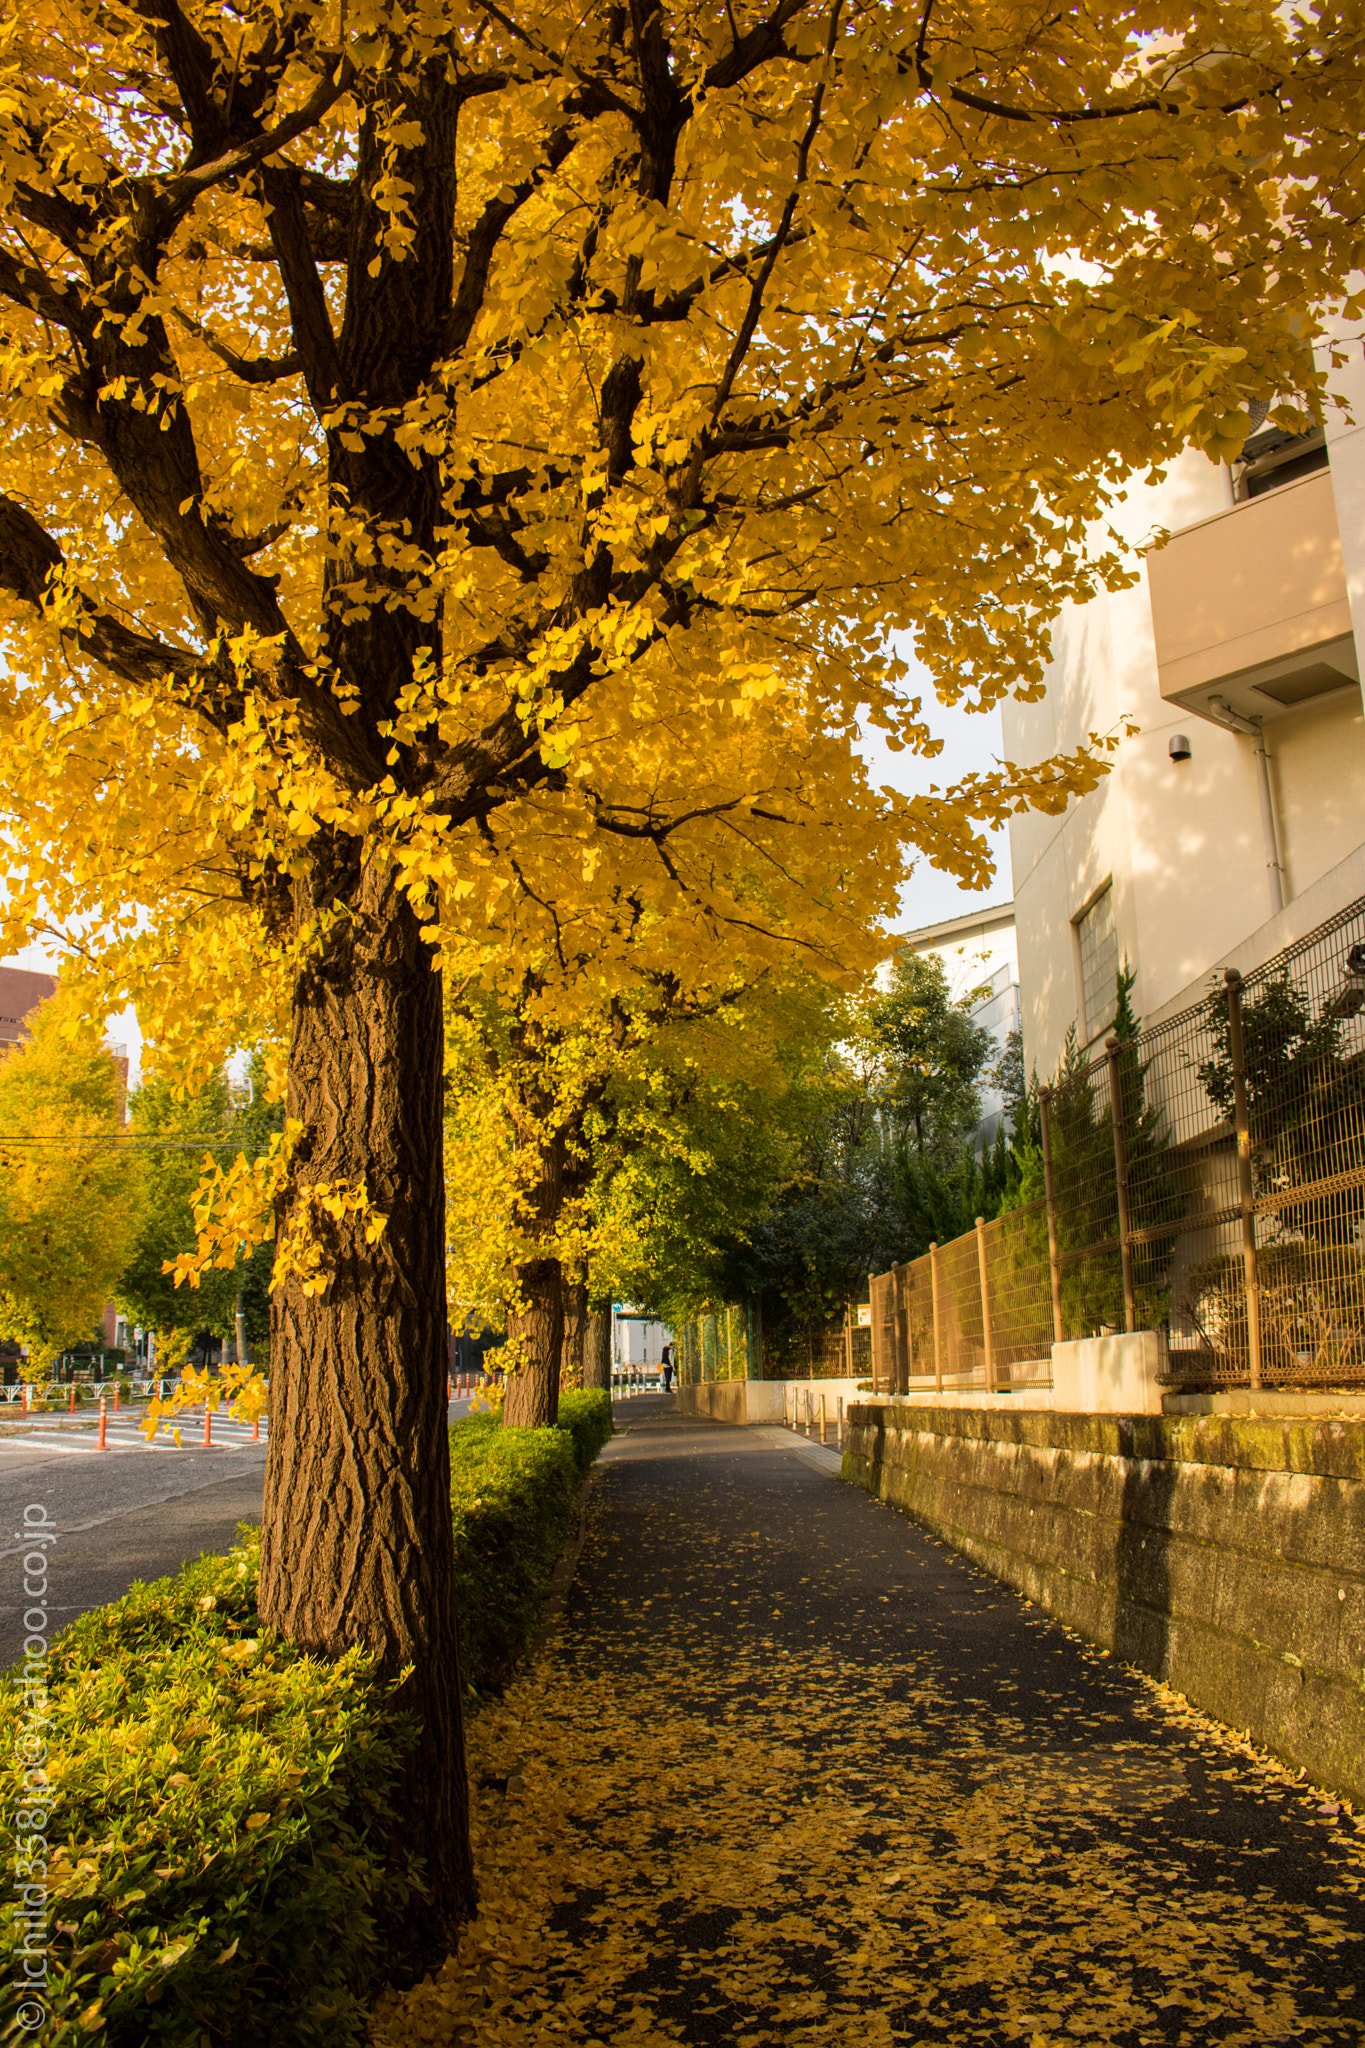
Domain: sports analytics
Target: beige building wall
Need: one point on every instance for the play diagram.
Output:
(1182, 843)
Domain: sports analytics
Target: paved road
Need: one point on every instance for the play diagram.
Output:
(122, 1514)
(132, 1511)
(794, 1773)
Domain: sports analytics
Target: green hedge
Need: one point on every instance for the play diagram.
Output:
(587, 1418)
(220, 1803)
(511, 1494)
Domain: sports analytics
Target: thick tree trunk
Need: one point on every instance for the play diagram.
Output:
(357, 1544)
(535, 1335)
(575, 1330)
(532, 1397)
(597, 1349)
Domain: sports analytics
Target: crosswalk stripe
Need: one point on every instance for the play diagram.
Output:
(227, 1436)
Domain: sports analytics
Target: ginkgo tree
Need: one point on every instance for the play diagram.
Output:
(569, 1139)
(471, 452)
(71, 1198)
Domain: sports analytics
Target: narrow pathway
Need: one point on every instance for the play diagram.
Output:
(793, 1773)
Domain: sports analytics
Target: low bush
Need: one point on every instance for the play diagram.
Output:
(587, 1418)
(511, 1492)
(218, 1817)
(217, 1807)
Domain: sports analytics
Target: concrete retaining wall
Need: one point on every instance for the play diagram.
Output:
(763, 1400)
(1223, 1554)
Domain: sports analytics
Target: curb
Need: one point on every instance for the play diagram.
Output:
(552, 1608)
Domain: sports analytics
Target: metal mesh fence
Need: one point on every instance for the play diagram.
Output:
(729, 1342)
(1205, 1178)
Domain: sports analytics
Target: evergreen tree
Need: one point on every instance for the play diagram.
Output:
(1305, 1099)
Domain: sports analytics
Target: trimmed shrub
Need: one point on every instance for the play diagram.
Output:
(218, 1824)
(512, 1491)
(587, 1418)
(218, 1810)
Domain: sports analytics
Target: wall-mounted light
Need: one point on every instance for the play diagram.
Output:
(1180, 748)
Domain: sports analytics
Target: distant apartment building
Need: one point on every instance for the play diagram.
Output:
(979, 955)
(20, 994)
(1233, 822)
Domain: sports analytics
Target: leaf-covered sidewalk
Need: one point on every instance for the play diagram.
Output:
(794, 1773)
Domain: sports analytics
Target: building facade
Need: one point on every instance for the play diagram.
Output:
(979, 951)
(20, 994)
(1233, 819)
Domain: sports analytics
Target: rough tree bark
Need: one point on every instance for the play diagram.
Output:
(575, 1330)
(597, 1349)
(357, 1544)
(532, 1397)
(535, 1335)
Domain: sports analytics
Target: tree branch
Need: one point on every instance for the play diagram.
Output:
(180, 192)
(26, 285)
(250, 369)
(30, 560)
(759, 46)
(485, 236)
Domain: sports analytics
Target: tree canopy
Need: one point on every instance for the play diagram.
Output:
(468, 461)
(70, 1199)
(176, 1129)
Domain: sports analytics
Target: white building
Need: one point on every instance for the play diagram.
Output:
(1234, 820)
(636, 1340)
(979, 951)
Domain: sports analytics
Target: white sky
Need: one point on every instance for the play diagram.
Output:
(971, 740)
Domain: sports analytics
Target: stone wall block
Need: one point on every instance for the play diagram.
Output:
(1212, 1551)
(1278, 1607)
(1168, 1576)
(1319, 1727)
(1225, 1675)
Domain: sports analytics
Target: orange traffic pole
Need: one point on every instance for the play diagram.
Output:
(116, 1397)
(72, 1403)
(25, 1397)
(208, 1426)
(256, 1430)
(104, 1422)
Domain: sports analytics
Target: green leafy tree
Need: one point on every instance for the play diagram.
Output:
(1086, 1186)
(1018, 1091)
(177, 1130)
(1306, 1103)
(939, 1199)
(931, 1057)
(70, 1199)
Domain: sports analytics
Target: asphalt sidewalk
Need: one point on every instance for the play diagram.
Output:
(793, 1772)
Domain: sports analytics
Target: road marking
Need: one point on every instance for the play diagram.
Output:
(227, 1436)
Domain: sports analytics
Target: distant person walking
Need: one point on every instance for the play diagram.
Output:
(666, 1361)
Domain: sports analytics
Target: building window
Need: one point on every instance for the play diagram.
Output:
(1271, 458)
(1099, 952)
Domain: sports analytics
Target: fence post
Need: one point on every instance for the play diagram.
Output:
(848, 1340)
(1111, 1054)
(1053, 1249)
(938, 1348)
(985, 1303)
(904, 1360)
(875, 1347)
(1246, 1192)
